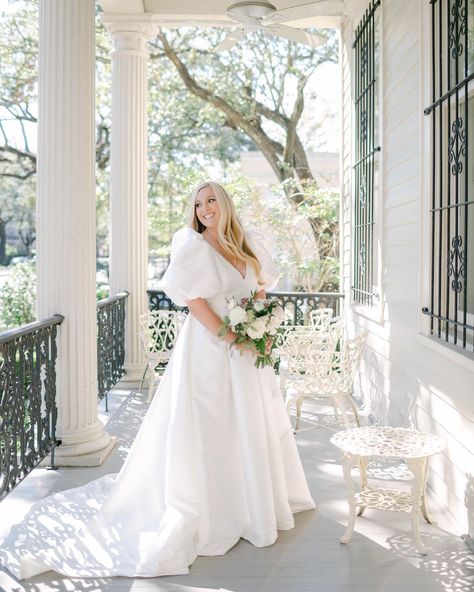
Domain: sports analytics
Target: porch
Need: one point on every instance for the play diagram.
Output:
(409, 377)
(309, 557)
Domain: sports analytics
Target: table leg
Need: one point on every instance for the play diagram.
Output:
(363, 462)
(418, 467)
(424, 509)
(348, 462)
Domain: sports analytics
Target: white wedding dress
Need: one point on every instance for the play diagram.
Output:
(214, 461)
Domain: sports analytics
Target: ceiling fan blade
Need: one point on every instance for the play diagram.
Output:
(230, 40)
(297, 35)
(294, 13)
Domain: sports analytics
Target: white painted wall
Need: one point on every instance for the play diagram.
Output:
(405, 378)
(324, 166)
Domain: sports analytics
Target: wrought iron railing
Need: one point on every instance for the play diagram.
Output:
(110, 343)
(28, 411)
(297, 305)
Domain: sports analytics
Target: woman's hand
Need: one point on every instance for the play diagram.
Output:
(229, 337)
(268, 345)
(200, 309)
(246, 346)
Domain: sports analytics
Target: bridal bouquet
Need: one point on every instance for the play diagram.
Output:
(255, 322)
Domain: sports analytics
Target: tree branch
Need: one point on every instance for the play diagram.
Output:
(19, 153)
(294, 119)
(270, 148)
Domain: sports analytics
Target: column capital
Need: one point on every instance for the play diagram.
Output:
(131, 32)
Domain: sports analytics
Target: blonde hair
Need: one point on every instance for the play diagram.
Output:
(230, 233)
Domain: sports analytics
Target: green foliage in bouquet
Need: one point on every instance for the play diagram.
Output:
(255, 323)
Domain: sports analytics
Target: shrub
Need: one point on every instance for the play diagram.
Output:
(18, 297)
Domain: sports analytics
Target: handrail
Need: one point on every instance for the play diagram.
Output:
(111, 299)
(17, 332)
(306, 294)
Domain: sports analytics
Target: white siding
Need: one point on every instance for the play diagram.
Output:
(403, 380)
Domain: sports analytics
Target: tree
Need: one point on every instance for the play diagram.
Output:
(259, 88)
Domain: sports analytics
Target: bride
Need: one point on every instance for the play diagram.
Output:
(215, 459)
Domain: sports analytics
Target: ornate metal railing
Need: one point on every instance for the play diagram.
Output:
(297, 305)
(28, 410)
(110, 343)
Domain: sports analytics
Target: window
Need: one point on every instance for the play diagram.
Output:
(366, 167)
(451, 113)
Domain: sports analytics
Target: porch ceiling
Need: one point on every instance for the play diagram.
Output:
(319, 13)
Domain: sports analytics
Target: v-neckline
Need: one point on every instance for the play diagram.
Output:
(224, 259)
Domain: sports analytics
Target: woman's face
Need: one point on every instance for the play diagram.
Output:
(206, 208)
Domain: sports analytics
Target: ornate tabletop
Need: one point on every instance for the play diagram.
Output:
(387, 442)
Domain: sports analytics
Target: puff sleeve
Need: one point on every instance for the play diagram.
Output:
(192, 272)
(270, 274)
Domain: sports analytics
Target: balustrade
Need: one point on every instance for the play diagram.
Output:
(28, 410)
(297, 305)
(110, 343)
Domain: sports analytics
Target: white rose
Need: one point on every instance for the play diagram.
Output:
(272, 330)
(275, 319)
(258, 306)
(257, 329)
(237, 315)
(273, 325)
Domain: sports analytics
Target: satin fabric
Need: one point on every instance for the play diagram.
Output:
(214, 461)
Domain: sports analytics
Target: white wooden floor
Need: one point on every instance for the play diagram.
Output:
(309, 558)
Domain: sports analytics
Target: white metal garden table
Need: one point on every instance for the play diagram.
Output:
(358, 445)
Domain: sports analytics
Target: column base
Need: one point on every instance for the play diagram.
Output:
(81, 455)
(133, 373)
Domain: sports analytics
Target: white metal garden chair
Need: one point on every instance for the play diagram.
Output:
(159, 330)
(329, 376)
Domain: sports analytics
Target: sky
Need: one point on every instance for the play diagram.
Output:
(326, 84)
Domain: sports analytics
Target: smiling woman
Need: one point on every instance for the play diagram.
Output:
(213, 215)
(215, 459)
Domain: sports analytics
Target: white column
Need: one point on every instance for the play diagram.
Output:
(66, 220)
(128, 185)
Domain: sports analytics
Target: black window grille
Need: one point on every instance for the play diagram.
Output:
(451, 113)
(366, 170)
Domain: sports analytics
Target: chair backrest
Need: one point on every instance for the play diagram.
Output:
(333, 372)
(320, 318)
(347, 360)
(306, 338)
(159, 330)
(286, 330)
(309, 344)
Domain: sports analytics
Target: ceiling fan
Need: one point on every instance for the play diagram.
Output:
(261, 15)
